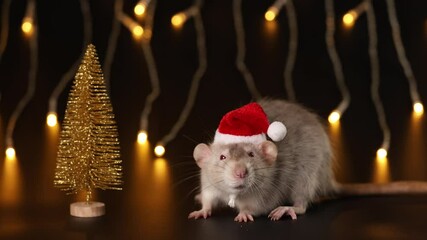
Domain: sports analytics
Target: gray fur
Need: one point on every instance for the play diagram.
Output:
(295, 171)
(305, 155)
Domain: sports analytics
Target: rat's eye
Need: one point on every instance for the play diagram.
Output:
(222, 157)
(251, 154)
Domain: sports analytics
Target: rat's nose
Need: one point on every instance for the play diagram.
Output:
(240, 172)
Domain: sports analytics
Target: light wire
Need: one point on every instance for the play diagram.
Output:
(66, 78)
(241, 52)
(375, 74)
(32, 76)
(394, 23)
(292, 50)
(201, 46)
(336, 62)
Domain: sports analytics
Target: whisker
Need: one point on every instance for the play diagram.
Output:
(190, 139)
(176, 184)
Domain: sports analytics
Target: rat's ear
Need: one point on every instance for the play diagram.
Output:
(201, 153)
(268, 151)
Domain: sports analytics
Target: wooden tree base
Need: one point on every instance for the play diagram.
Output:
(87, 209)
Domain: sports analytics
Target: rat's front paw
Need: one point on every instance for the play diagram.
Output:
(277, 213)
(203, 213)
(244, 217)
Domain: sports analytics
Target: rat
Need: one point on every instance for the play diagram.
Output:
(278, 179)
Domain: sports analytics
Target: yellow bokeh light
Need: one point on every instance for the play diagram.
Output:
(381, 161)
(178, 19)
(142, 137)
(139, 9)
(270, 15)
(159, 150)
(334, 117)
(137, 31)
(418, 108)
(349, 18)
(10, 153)
(381, 173)
(51, 119)
(160, 166)
(27, 25)
(381, 153)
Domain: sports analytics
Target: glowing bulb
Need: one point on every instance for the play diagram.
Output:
(51, 119)
(418, 108)
(139, 9)
(27, 25)
(334, 117)
(349, 18)
(381, 153)
(142, 137)
(159, 150)
(10, 153)
(271, 14)
(178, 19)
(137, 31)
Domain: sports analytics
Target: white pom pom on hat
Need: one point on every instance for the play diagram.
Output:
(277, 131)
(248, 124)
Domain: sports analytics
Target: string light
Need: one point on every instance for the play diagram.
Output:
(394, 23)
(11, 181)
(141, 7)
(351, 16)
(334, 117)
(137, 31)
(27, 22)
(159, 150)
(142, 137)
(10, 153)
(152, 71)
(375, 78)
(32, 73)
(134, 27)
(202, 59)
(381, 172)
(292, 50)
(51, 119)
(240, 59)
(27, 25)
(418, 108)
(336, 63)
(180, 18)
(272, 12)
(66, 78)
(382, 153)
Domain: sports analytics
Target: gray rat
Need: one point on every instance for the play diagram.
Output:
(259, 178)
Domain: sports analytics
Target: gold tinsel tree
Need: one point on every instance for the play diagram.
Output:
(89, 151)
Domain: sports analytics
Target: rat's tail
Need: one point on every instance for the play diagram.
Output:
(367, 189)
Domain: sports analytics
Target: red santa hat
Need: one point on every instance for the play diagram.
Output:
(248, 124)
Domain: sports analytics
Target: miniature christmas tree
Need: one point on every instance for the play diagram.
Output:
(89, 151)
